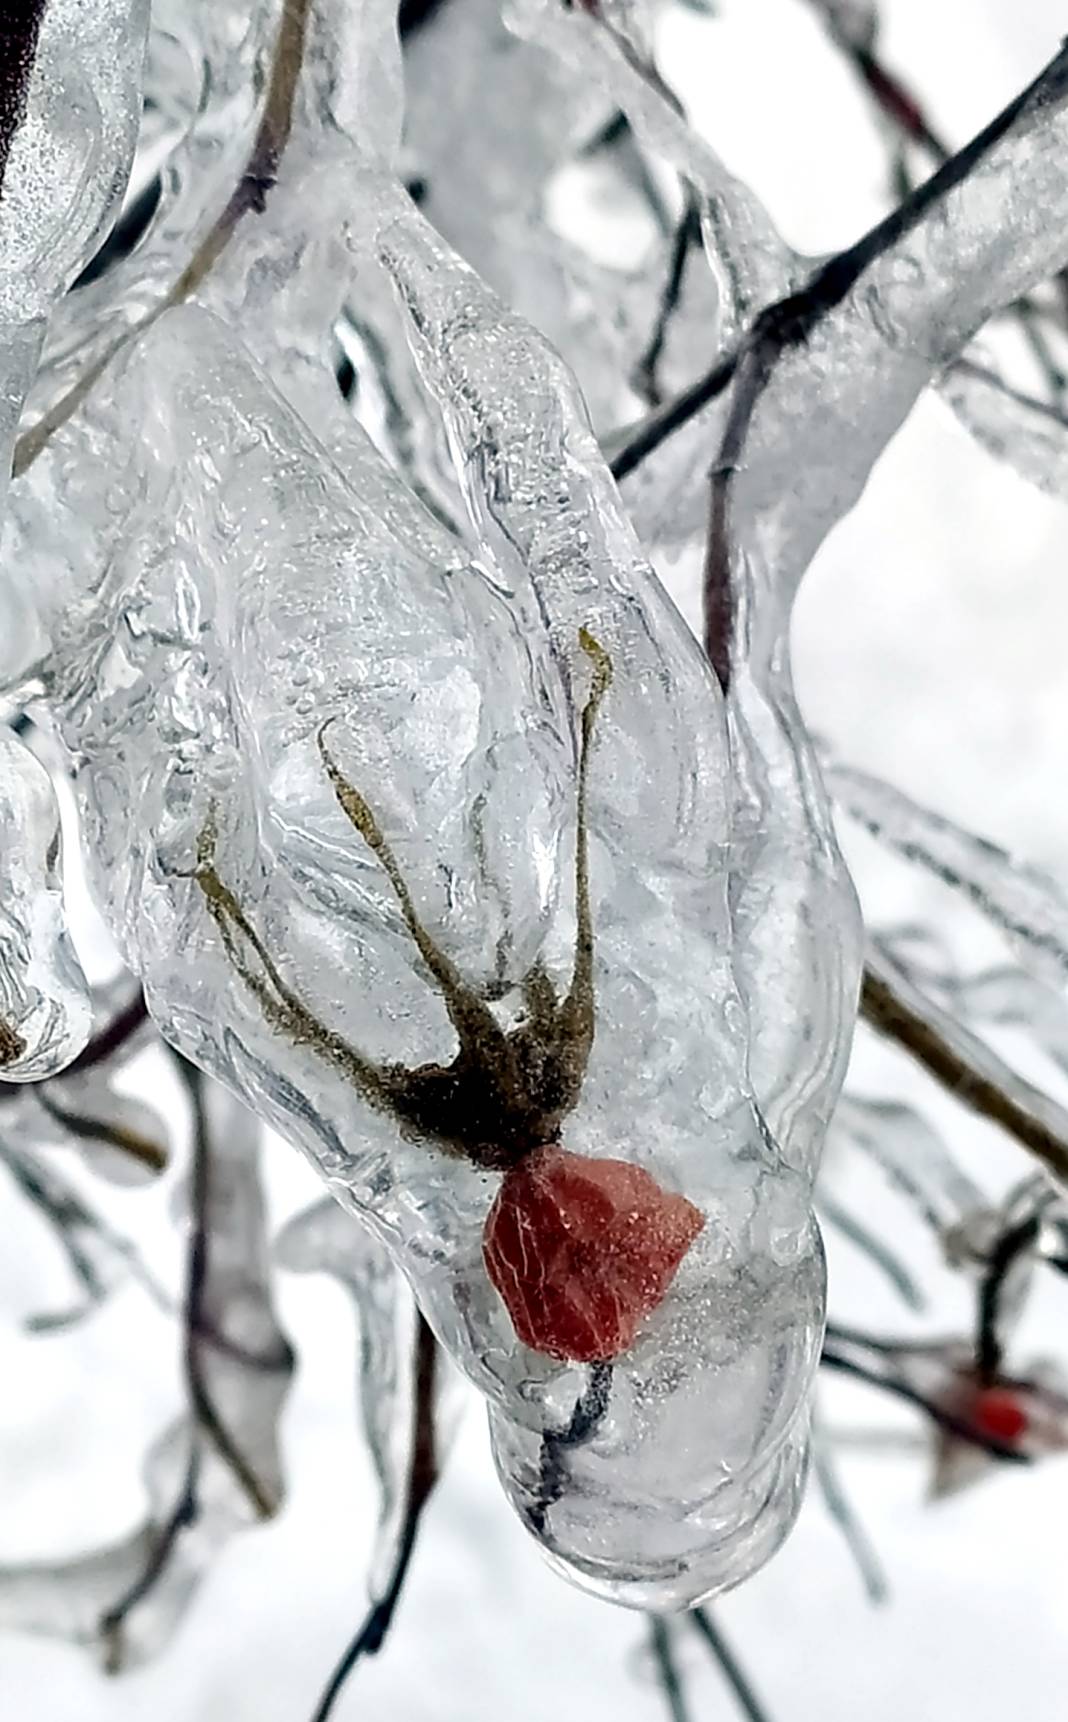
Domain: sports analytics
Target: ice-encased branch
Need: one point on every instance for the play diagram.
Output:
(836, 367)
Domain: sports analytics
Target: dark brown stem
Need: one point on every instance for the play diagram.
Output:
(1010, 1247)
(733, 1672)
(668, 1669)
(422, 1476)
(112, 1036)
(101, 1130)
(646, 371)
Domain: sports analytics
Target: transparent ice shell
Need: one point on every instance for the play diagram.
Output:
(249, 570)
(63, 166)
(254, 593)
(45, 1008)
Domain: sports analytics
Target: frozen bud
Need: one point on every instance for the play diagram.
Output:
(582, 1250)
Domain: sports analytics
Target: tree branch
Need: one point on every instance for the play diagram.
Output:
(422, 1476)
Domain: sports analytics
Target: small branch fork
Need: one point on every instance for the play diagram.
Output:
(790, 322)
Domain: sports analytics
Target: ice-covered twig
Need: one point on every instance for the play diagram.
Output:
(921, 1376)
(835, 1499)
(741, 1687)
(116, 1035)
(1010, 1249)
(422, 1476)
(227, 1255)
(1030, 434)
(97, 1255)
(215, 1467)
(961, 1063)
(646, 372)
(667, 1668)
(912, 1155)
(882, 317)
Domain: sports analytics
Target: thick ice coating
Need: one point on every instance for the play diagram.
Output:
(255, 594)
(45, 1010)
(447, 851)
(69, 102)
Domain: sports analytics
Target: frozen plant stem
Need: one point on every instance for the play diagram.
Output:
(140, 1148)
(586, 1419)
(1010, 1247)
(249, 194)
(422, 1476)
(667, 1669)
(746, 1699)
(199, 1330)
(789, 322)
(892, 1016)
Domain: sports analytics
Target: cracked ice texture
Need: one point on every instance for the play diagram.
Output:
(45, 1009)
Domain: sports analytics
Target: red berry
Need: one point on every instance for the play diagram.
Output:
(997, 1412)
(582, 1250)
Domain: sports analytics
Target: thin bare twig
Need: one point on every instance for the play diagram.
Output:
(667, 1668)
(104, 1044)
(586, 1418)
(422, 1476)
(87, 1129)
(733, 1672)
(182, 1515)
(904, 112)
(1010, 1247)
(791, 321)
(646, 379)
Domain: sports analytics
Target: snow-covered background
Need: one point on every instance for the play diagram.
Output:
(930, 645)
